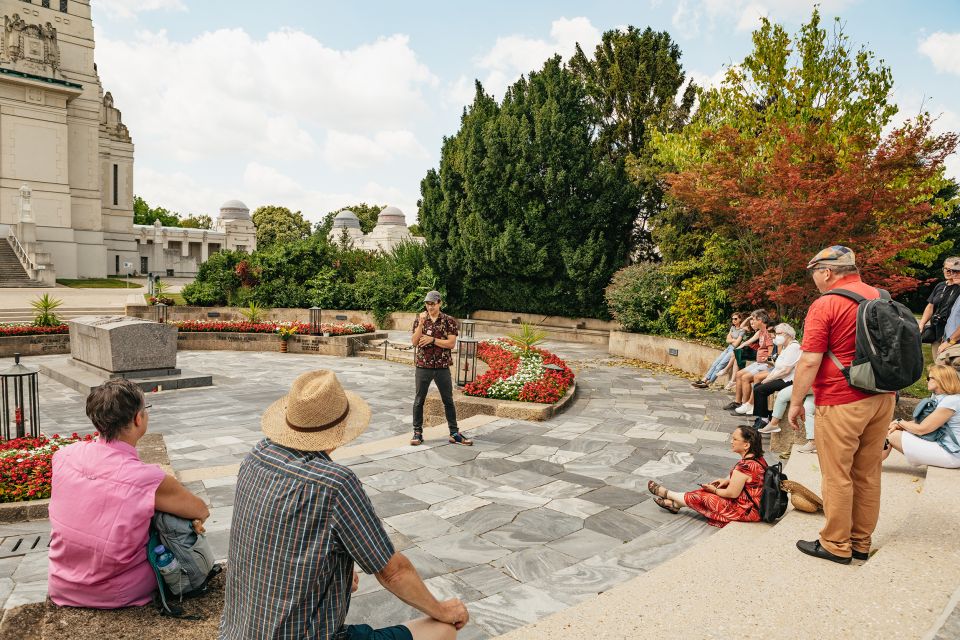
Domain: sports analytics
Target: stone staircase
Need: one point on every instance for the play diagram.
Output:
(749, 581)
(12, 273)
(25, 314)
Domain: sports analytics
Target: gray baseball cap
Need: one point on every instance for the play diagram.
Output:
(432, 296)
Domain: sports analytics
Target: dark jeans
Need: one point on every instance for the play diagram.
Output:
(761, 392)
(445, 386)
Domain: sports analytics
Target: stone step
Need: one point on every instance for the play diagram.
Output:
(901, 592)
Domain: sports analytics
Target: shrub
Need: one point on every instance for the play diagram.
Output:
(639, 296)
(254, 313)
(700, 310)
(328, 290)
(44, 307)
(203, 294)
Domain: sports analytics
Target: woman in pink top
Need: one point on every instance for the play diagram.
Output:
(101, 503)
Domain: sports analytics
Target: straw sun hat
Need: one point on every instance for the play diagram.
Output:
(802, 498)
(317, 414)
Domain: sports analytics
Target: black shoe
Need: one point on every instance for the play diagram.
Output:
(813, 548)
(760, 423)
(861, 555)
(730, 406)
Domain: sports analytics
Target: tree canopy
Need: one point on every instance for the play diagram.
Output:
(277, 226)
(143, 213)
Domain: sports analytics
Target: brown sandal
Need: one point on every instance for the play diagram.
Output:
(669, 505)
(655, 488)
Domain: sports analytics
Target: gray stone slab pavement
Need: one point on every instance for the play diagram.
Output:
(534, 518)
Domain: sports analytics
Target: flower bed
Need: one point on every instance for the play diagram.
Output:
(302, 328)
(20, 329)
(26, 465)
(516, 374)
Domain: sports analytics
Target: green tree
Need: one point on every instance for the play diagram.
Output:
(278, 226)
(367, 213)
(415, 230)
(197, 222)
(526, 213)
(143, 213)
(634, 84)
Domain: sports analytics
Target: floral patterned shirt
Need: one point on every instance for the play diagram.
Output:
(432, 356)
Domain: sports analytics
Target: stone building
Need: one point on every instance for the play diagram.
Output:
(66, 162)
(391, 229)
(175, 251)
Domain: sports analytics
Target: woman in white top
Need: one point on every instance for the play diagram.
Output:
(784, 336)
(904, 436)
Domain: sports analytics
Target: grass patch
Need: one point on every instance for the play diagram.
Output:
(176, 297)
(98, 283)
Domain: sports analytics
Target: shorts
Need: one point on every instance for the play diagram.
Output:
(757, 367)
(366, 632)
(919, 451)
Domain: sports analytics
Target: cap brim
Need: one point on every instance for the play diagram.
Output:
(274, 426)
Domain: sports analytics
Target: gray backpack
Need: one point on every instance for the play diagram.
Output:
(192, 552)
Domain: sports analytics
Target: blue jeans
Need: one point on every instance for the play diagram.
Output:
(719, 364)
(783, 401)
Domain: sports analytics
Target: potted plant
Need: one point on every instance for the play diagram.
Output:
(285, 331)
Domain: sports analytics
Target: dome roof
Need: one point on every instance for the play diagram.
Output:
(234, 210)
(346, 219)
(392, 216)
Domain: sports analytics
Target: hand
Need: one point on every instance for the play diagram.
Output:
(198, 527)
(453, 612)
(423, 316)
(721, 484)
(709, 488)
(425, 340)
(797, 415)
(944, 346)
(356, 582)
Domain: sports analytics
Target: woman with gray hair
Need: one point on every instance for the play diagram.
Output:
(785, 337)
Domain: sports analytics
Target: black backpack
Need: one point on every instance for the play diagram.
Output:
(773, 500)
(889, 354)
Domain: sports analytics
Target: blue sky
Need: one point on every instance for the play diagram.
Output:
(318, 105)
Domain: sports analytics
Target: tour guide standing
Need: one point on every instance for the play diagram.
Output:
(434, 336)
(301, 521)
(851, 424)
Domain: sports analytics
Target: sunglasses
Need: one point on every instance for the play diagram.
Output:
(948, 270)
(432, 304)
(146, 406)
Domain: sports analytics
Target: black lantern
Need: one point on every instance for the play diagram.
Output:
(466, 328)
(315, 324)
(18, 384)
(161, 313)
(466, 361)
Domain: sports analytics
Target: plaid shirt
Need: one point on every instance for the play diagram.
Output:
(300, 521)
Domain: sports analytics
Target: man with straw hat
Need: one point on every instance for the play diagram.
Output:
(301, 521)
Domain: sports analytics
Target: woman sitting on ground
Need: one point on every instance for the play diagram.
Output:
(734, 337)
(904, 436)
(733, 499)
(102, 500)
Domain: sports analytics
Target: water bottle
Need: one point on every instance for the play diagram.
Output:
(169, 567)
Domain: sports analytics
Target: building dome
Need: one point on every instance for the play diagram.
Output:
(234, 210)
(346, 219)
(391, 216)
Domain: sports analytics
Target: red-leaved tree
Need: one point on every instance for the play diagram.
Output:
(784, 194)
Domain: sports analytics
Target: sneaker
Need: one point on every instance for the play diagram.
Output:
(769, 428)
(731, 405)
(744, 409)
(699, 384)
(810, 447)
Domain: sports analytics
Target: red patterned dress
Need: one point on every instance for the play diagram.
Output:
(719, 510)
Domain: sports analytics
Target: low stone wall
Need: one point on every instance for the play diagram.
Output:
(468, 406)
(546, 322)
(230, 314)
(686, 356)
(343, 346)
(43, 345)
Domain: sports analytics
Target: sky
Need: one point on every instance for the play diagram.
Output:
(318, 105)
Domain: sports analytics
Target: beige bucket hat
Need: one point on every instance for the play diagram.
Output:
(317, 414)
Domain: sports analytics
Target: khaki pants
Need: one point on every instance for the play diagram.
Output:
(849, 441)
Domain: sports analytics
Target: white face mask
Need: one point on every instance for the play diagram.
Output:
(779, 340)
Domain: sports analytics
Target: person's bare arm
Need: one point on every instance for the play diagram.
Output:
(925, 318)
(401, 579)
(418, 330)
(732, 489)
(807, 369)
(173, 497)
(931, 423)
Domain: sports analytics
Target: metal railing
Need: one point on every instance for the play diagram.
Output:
(20, 251)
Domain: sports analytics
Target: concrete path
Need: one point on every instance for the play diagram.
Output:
(535, 518)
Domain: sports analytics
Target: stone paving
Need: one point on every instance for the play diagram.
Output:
(534, 518)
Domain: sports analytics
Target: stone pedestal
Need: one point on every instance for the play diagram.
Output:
(118, 344)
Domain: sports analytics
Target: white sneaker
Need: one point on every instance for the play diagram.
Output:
(770, 428)
(729, 385)
(810, 447)
(744, 409)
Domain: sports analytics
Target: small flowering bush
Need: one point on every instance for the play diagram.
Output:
(243, 326)
(518, 374)
(287, 331)
(152, 300)
(26, 466)
(18, 329)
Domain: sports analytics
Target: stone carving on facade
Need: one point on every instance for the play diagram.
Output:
(111, 120)
(30, 48)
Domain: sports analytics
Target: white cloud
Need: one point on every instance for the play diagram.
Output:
(225, 93)
(356, 151)
(129, 8)
(515, 55)
(691, 17)
(944, 50)
(912, 104)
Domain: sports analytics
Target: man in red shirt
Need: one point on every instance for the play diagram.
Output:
(851, 424)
